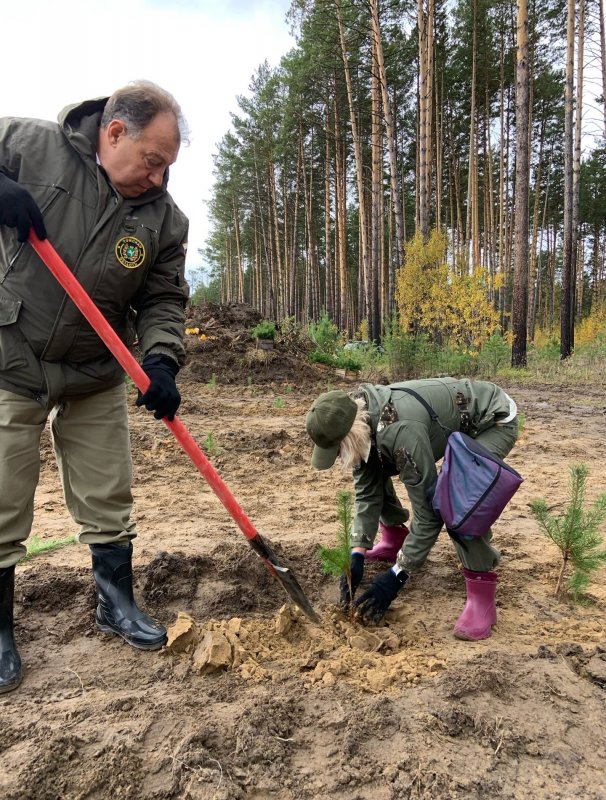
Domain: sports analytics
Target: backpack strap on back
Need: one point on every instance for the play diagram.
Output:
(428, 408)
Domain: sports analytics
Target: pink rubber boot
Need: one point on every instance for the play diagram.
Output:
(392, 539)
(480, 612)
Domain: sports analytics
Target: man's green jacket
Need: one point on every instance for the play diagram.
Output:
(407, 443)
(129, 254)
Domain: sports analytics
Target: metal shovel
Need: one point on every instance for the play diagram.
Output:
(78, 295)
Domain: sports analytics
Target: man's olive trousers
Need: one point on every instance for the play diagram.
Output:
(92, 447)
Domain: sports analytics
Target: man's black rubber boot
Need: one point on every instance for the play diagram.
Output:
(117, 611)
(10, 660)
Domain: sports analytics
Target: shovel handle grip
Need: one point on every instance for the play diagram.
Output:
(116, 346)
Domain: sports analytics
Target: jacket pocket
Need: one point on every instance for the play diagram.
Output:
(12, 251)
(12, 354)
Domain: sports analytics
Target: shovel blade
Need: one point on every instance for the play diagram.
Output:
(284, 575)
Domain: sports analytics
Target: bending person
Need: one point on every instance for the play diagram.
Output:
(380, 432)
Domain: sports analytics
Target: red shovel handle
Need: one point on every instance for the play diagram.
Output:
(76, 292)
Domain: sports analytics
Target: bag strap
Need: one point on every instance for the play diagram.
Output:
(428, 408)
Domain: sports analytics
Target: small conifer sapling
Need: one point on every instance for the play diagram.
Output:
(575, 533)
(337, 560)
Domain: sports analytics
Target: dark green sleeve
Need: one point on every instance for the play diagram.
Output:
(417, 469)
(10, 155)
(161, 303)
(368, 484)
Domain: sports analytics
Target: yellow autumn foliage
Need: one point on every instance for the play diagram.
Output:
(591, 328)
(450, 308)
(544, 337)
(362, 332)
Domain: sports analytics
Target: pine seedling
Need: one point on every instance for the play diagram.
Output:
(337, 560)
(575, 533)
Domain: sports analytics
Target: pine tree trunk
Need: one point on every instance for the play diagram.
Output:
(340, 226)
(329, 276)
(389, 132)
(577, 265)
(490, 233)
(472, 159)
(294, 303)
(264, 286)
(567, 301)
(509, 222)
(502, 178)
(580, 259)
(532, 268)
(520, 280)
(257, 301)
(376, 228)
(439, 145)
(425, 22)
(595, 269)
(552, 271)
(278, 273)
(357, 149)
(603, 58)
(239, 268)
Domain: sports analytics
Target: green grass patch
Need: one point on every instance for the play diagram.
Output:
(36, 546)
(210, 445)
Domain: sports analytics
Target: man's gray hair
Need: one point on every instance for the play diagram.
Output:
(138, 103)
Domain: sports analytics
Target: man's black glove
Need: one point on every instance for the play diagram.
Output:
(375, 601)
(356, 565)
(162, 395)
(18, 209)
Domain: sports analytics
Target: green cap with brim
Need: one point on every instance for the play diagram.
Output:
(328, 422)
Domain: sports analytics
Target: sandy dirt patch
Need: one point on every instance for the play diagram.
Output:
(253, 700)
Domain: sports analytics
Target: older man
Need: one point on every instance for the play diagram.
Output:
(95, 182)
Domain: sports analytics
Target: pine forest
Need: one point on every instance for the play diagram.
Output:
(439, 166)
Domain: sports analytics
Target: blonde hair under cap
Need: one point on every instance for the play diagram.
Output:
(355, 447)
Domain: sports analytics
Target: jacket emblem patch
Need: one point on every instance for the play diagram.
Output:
(130, 252)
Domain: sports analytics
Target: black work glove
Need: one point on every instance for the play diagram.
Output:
(162, 395)
(356, 565)
(375, 601)
(18, 209)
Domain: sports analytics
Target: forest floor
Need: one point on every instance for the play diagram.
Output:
(283, 708)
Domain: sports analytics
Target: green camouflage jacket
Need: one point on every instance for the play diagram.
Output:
(407, 443)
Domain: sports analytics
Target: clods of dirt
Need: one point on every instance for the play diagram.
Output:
(221, 348)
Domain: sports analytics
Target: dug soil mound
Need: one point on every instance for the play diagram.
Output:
(252, 700)
(221, 348)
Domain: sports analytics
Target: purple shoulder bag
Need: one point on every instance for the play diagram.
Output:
(473, 485)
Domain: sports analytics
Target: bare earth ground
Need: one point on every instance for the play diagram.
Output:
(299, 710)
